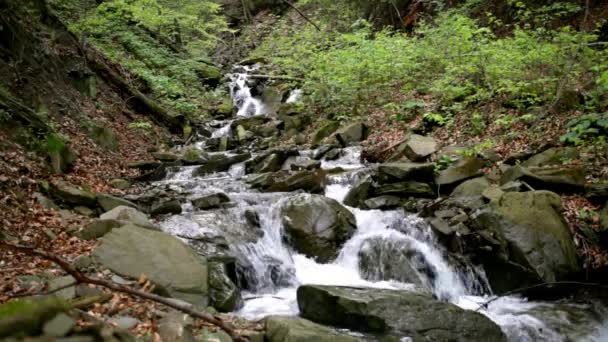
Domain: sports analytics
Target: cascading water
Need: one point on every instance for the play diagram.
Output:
(272, 271)
(240, 90)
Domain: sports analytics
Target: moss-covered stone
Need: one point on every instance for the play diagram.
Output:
(295, 329)
(325, 131)
(21, 318)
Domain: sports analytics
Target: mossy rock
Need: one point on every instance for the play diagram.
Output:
(325, 131)
(21, 318)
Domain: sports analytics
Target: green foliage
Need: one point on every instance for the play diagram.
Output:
(589, 127)
(452, 60)
(143, 125)
(54, 143)
(444, 162)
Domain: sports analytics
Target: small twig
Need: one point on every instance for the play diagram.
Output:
(81, 278)
(302, 14)
(522, 289)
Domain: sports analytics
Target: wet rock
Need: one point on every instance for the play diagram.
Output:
(305, 165)
(405, 189)
(395, 172)
(223, 293)
(333, 154)
(359, 193)
(552, 156)
(220, 163)
(130, 215)
(536, 237)
(382, 202)
(472, 187)
(394, 313)
(172, 207)
(252, 218)
(385, 259)
(109, 202)
(242, 134)
(271, 161)
(462, 170)
(559, 178)
(322, 150)
(353, 133)
(325, 131)
(119, 183)
(490, 155)
(97, 229)
(295, 329)
(212, 201)
(312, 181)
(71, 194)
(420, 147)
(171, 265)
(317, 226)
(155, 175)
(193, 156)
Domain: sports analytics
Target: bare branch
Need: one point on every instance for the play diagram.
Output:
(82, 278)
(302, 14)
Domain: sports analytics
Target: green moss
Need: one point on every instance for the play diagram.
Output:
(25, 317)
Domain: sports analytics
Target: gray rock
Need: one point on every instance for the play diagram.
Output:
(353, 133)
(97, 229)
(305, 165)
(406, 189)
(395, 172)
(207, 335)
(420, 147)
(537, 237)
(493, 193)
(312, 181)
(170, 264)
(553, 156)
(125, 322)
(59, 326)
(84, 211)
(333, 154)
(109, 202)
(45, 202)
(394, 313)
(462, 170)
(559, 179)
(67, 293)
(120, 184)
(490, 155)
(71, 194)
(224, 295)
(129, 215)
(359, 193)
(325, 131)
(167, 207)
(383, 202)
(472, 187)
(212, 201)
(384, 259)
(295, 329)
(317, 226)
(220, 163)
(165, 156)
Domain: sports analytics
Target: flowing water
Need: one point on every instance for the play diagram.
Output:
(274, 271)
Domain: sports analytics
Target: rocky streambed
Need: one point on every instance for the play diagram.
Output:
(323, 247)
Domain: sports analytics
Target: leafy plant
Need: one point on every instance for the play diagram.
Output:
(140, 125)
(444, 162)
(585, 128)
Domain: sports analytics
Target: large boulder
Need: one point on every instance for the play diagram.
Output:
(353, 133)
(360, 192)
(406, 189)
(394, 314)
(472, 187)
(295, 329)
(317, 226)
(538, 240)
(325, 131)
(171, 265)
(563, 179)
(463, 169)
(419, 147)
(71, 194)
